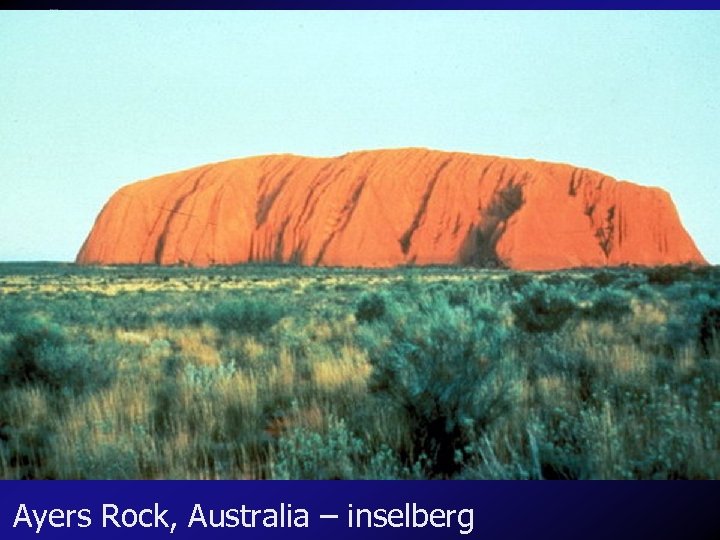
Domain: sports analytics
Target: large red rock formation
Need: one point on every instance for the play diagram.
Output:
(387, 208)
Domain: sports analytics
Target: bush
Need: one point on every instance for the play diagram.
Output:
(667, 275)
(309, 455)
(709, 330)
(604, 278)
(446, 372)
(542, 309)
(251, 316)
(371, 307)
(35, 340)
(458, 295)
(40, 353)
(608, 304)
(517, 282)
(128, 311)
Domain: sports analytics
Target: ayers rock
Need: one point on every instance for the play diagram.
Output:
(386, 208)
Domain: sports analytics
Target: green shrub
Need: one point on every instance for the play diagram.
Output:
(556, 279)
(694, 320)
(560, 446)
(667, 275)
(250, 316)
(25, 449)
(41, 353)
(112, 460)
(668, 450)
(542, 309)
(187, 313)
(24, 360)
(604, 278)
(457, 296)
(371, 307)
(128, 311)
(709, 329)
(518, 281)
(446, 371)
(608, 304)
(308, 455)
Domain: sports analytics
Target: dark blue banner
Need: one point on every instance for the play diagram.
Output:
(360, 509)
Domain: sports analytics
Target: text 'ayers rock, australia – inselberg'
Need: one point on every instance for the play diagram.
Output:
(387, 208)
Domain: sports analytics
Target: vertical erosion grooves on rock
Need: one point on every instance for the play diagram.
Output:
(172, 214)
(387, 208)
(344, 216)
(493, 222)
(406, 239)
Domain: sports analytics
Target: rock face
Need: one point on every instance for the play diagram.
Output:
(386, 208)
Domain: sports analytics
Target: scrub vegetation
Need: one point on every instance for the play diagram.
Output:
(291, 372)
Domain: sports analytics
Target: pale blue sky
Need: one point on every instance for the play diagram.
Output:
(92, 101)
